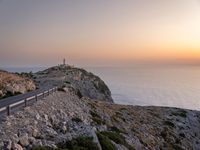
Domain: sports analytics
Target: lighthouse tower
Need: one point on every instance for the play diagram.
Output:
(64, 61)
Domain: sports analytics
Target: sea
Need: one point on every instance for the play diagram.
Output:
(148, 85)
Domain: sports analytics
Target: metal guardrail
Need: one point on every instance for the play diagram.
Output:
(25, 100)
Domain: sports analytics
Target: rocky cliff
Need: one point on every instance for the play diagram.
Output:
(85, 83)
(12, 84)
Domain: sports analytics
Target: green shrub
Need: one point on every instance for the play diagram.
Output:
(94, 114)
(76, 119)
(105, 142)
(117, 138)
(67, 82)
(46, 148)
(80, 143)
(169, 123)
(115, 129)
(96, 118)
(177, 147)
(98, 121)
(181, 113)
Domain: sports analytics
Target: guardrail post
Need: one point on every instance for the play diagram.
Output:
(43, 94)
(36, 98)
(8, 110)
(25, 101)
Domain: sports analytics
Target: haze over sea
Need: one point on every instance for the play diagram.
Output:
(174, 86)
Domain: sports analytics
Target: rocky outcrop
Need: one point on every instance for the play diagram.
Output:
(12, 84)
(63, 117)
(86, 83)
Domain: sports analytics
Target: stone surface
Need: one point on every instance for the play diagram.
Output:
(81, 82)
(24, 140)
(142, 127)
(12, 84)
(16, 146)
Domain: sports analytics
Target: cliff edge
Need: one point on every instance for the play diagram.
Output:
(84, 83)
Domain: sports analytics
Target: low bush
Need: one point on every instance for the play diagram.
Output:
(169, 123)
(80, 143)
(117, 138)
(105, 142)
(96, 118)
(76, 119)
(181, 113)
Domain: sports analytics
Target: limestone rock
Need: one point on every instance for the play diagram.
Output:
(37, 143)
(77, 80)
(35, 133)
(8, 145)
(16, 146)
(24, 140)
(12, 84)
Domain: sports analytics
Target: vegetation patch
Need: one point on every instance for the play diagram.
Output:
(46, 148)
(105, 142)
(80, 143)
(177, 147)
(119, 115)
(96, 118)
(117, 138)
(181, 113)
(94, 114)
(164, 134)
(67, 82)
(76, 119)
(115, 129)
(9, 94)
(61, 89)
(169, 123)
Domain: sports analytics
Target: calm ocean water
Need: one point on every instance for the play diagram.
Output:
(174, 86)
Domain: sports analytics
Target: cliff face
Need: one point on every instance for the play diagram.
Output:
(87, 84)
(12, 84)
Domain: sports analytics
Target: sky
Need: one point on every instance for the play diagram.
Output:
(99, 32)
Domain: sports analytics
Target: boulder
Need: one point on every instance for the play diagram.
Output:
(24, 140)
(31, 140)
(1, 93)
(37, 143)
(35, 133)
(7, 145)
(16, 146)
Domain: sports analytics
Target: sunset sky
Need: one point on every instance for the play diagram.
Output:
(99, 32)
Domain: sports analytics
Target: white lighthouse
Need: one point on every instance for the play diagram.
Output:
(64, 61)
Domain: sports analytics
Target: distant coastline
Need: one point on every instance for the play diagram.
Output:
(23, 69)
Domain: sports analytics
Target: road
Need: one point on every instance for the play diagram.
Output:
(10, 100)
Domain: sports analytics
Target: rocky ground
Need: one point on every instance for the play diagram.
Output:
(86, 83)
(82, 116)
(12, 84)
(64, 116)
